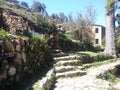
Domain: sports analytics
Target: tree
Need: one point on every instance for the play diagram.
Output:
(62, 17)
(25, 4)
(55, 16)
(110, 47)
(70, 17)
(39, 7)
(81, 27)
(36, 6)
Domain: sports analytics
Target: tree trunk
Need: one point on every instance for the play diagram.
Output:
(110, 47)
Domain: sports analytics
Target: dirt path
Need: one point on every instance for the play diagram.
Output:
(86, 82)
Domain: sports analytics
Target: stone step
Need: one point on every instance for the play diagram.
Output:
(71, 74)
(64, 58)
(67, 68)
(68, 62)
(55, 51)
(59, 54)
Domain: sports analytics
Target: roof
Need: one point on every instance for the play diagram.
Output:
(99, 25)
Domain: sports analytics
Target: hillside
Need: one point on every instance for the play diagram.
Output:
(18, 18)
(19, 9)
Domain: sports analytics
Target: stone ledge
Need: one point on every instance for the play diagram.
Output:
(45, 83)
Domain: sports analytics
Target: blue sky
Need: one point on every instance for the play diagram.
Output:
(74, 6)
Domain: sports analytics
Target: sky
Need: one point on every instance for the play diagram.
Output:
(74, 6)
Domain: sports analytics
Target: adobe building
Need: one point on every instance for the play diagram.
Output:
(99, 32)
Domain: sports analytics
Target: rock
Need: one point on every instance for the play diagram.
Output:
(22, 42)
(19, 61)
(12, 71)
(24, 57)
(19, 56)
(16, 23)
(18, 47)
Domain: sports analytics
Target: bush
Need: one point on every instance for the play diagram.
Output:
(101, 57)
(3, 33)
(38, 52)
(98, 49)
(68, 45)
(109, 76)
(86, 58)
(67, 42)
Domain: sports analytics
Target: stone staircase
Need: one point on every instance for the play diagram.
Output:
(68, 66)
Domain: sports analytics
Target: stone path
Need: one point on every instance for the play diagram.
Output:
(85, 82)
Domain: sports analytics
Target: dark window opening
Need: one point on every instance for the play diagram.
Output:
(96, 41)
(96, 30)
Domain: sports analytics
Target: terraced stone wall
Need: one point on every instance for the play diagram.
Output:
(15, 23)
(14, 64)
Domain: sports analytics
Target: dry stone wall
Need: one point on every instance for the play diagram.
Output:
(14, 64)
(12, 59)
(15, 23)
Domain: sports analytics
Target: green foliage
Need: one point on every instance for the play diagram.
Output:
(44, 23)
(38, 52)
(52, 79)
(3, 33)
(110, 6)
(109, 3)
(83, 52)
(95, 64)
(68, 42)
(81, 27)
(68, 45)
(65, 36)
(87, 58)
(110, 76)
(38, 19)
(102, 57)
(98, 49)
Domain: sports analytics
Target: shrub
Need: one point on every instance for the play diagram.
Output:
(98, 48)
(109, 76)
(101, 57)
(86, 58)
(68, 45)
(38, 52)
(3, 33)
(68, 42)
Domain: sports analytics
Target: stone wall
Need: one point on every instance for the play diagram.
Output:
(14, 64)
(15, 23)
(12, 59)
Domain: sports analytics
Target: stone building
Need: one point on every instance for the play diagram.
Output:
(99, 32)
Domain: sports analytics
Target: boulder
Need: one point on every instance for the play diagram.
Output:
(12, 71)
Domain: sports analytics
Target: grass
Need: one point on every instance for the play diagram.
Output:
(83, 52)
(19, 9)
(110, 76)
(88, 52)
(96, 64)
